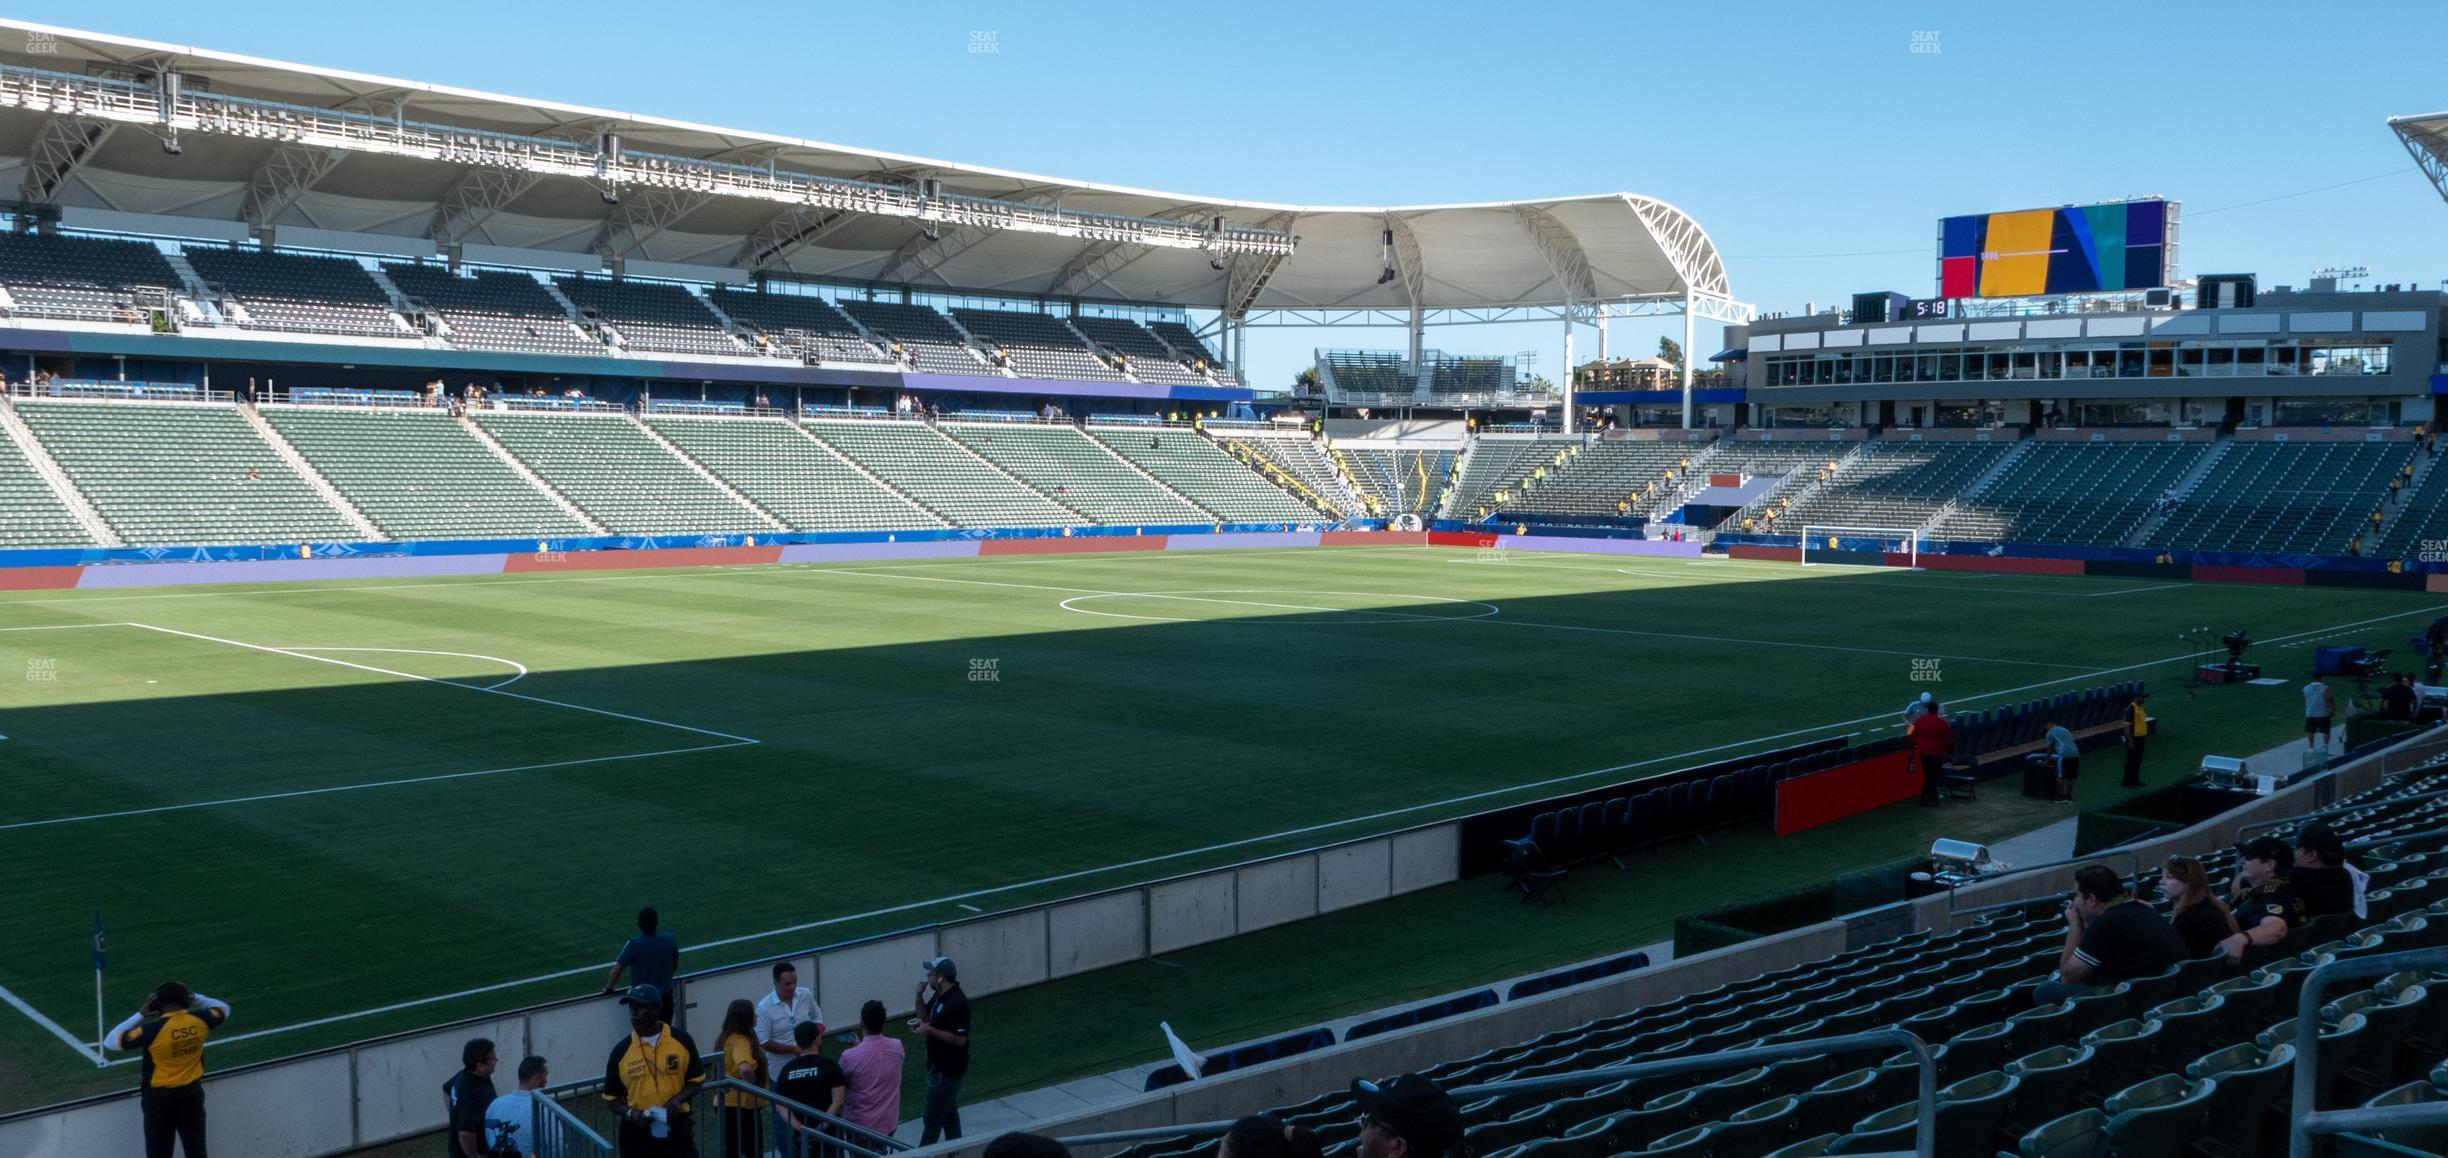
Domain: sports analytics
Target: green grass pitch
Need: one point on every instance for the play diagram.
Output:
(358, 807)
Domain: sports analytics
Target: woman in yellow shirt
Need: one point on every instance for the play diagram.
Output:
(742, 1120)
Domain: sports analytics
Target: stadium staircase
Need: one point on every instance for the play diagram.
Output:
(2285, 497)
(2417, 514)
(2182, 488)
(25, 520)
(785, 472)
(624, 478)
(1296, 464)
(177, 474)
(1801, 482)
(1204, 473)
(502, 454)
(1077, 471)
(418, 474)
(191, 284)
(711, 479)
(307, 473)
(2199, 1059)
(2015, 454)
(937, 472)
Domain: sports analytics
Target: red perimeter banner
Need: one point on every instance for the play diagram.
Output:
(1832, 794)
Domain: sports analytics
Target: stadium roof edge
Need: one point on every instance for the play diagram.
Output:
(2426, 138)
(1534, 252)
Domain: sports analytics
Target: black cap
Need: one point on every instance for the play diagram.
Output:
(2322, 839)
(1415, 1110)
(2266, 848)
(943, 967)
(643, 995)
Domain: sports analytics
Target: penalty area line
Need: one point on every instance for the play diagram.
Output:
(369, 785)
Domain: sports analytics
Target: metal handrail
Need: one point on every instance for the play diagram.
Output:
(2393, 838)
(883, 1144)
(2308, 1121)
(2244, 833)
(548, 1110)
(1925, 1131)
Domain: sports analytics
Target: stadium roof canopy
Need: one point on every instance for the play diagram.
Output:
(2426, 136)
(87, 121)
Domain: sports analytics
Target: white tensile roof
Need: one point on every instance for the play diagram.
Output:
(2426, 137)
(1539, 252)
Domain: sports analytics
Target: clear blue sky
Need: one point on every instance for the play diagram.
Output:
(1816, 147)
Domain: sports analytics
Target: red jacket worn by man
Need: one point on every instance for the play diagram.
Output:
(1932, 742)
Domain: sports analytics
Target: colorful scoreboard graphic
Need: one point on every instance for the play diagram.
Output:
(2123, 245)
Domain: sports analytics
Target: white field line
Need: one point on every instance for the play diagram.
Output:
(2136, 590)
(1305, 830)
(91, 1053)
(490, 691)
(61, 626)
(528, 579)
(331, 789)
(509, 663)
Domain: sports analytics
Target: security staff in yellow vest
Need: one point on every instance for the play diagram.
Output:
(170, 1030)
(2136, 738)
(651, 1074)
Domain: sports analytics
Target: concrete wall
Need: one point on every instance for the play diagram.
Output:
(389, 1088)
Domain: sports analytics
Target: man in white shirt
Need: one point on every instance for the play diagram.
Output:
(510, 1121)
(2320, 706)
(779, 1014)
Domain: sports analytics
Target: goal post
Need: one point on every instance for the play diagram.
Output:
(1839, 540)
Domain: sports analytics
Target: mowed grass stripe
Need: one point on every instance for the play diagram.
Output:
(887, 775)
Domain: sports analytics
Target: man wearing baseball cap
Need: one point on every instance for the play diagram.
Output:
(648, 1081)
(943, 1020)
(1409, 1117)
(2265, 908)
(2322, 879)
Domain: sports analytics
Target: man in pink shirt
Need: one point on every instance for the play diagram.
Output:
(873, 1069)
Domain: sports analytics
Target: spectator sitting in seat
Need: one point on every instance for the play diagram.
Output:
(1267, 1136)
(1410, 1117)
(2110, 937)
(2199, 916)
(2265, 908)
(2322, 879)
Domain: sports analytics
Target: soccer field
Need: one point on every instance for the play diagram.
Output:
(352, 808)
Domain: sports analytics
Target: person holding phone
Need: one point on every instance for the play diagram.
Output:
(943, 1020)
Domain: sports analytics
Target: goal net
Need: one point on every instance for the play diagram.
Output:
(1851, 542)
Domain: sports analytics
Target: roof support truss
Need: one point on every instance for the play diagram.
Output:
(477, 197)
(2427, 139)
(644, 212)
(1245, 276)
(1565, 257)
(61, 147)
(285, 176)
(787, 233)
(1685, 245)
(927, 252)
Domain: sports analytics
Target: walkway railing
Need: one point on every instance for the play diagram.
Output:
(1925, 1132)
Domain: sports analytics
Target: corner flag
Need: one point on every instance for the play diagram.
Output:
(101, 947)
